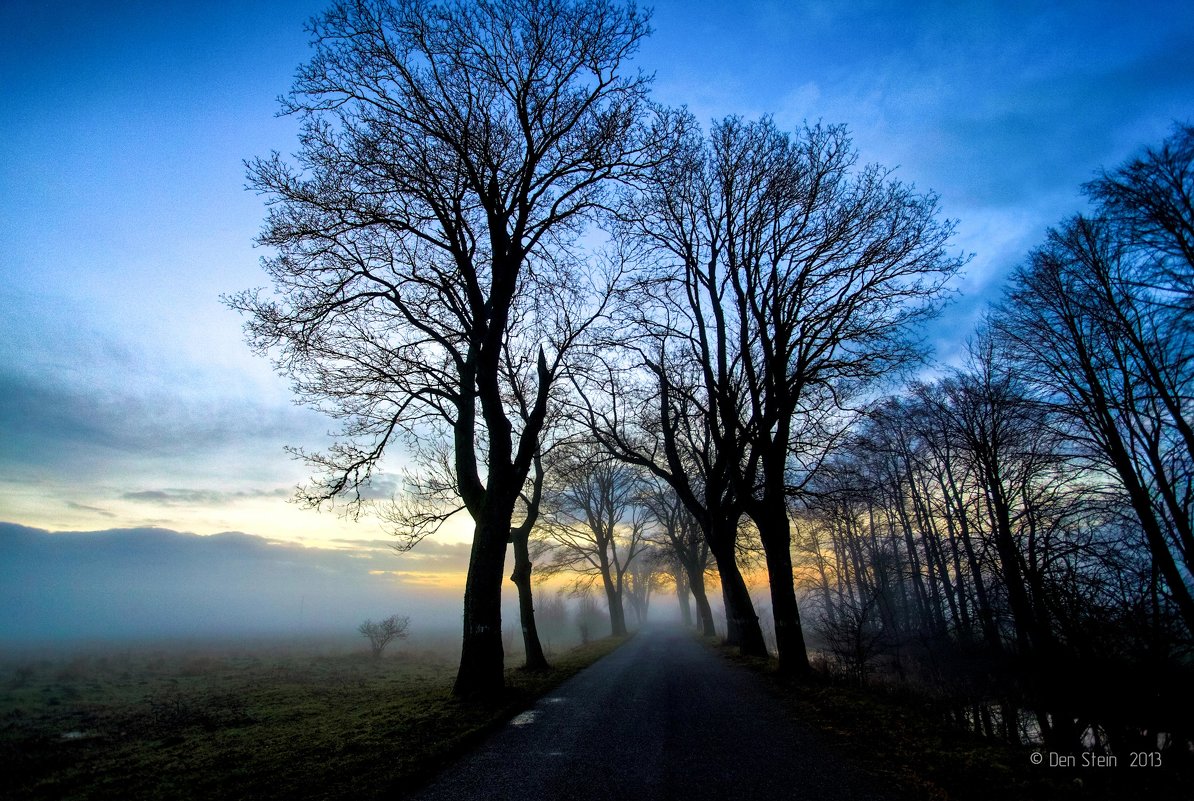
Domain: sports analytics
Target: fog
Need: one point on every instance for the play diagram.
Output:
(148, 583)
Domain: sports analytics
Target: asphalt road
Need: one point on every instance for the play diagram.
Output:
(662, 717)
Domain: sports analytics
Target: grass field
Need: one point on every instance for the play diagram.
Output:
(214, 723)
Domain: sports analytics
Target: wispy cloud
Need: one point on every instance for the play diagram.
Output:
(201, 497)
(82, 507)
(49, 421)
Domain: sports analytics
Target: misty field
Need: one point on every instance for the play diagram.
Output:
(241, 722)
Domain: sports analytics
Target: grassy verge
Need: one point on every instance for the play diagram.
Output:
(246, 727)
(897, 737)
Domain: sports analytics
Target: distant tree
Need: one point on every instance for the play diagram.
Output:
(646, 575)
(676, 534)
(384, 632)
(592, 525)
(588, 614)
(551, 613)
(428, 275)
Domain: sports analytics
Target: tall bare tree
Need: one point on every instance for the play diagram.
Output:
(427, 276)
(797, 279)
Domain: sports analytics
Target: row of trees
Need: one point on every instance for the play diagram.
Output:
(1015, 533)
(595, 326)
(434, 279)
(605, 523)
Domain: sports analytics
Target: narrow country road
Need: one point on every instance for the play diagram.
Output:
(663, 717)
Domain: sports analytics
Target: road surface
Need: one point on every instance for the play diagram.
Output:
(663, 717)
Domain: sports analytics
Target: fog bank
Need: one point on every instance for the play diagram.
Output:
(151, 582)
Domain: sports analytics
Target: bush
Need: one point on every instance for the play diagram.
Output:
(382, 634)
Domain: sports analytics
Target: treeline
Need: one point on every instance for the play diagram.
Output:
(1012, 537)
(1015, 534)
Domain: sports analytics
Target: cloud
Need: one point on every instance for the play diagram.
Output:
(201, 497)
(143, 582)
(48, 413)
(82, 507)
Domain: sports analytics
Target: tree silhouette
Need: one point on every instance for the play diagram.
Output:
(427, 277)
(787, 279)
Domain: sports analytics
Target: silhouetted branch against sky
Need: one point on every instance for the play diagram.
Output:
(121, 187)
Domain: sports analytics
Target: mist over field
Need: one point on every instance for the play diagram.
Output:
(150, 583)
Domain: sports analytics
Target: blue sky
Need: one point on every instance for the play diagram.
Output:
(127, 398)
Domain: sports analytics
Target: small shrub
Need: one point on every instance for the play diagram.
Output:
(383, 633)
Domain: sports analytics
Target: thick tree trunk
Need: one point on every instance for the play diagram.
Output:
(742, 624)
(482, 667)
(535, 658)
(776, 535)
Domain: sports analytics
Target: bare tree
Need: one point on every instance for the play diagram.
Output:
(384, 632)
(593, 527)
(676, 533)
(666, 402)
(427, 276)
(792, 279)
(854, 635)
(588, 614)
(1076, 325)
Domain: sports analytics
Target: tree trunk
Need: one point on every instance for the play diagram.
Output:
(776, 535)
(617, 615)
(742, 624)
(482, 666)
(696, 584)
(535, 658)
(1029, 636)
(681, 577)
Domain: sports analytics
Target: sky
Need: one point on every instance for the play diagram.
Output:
(128, 399)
